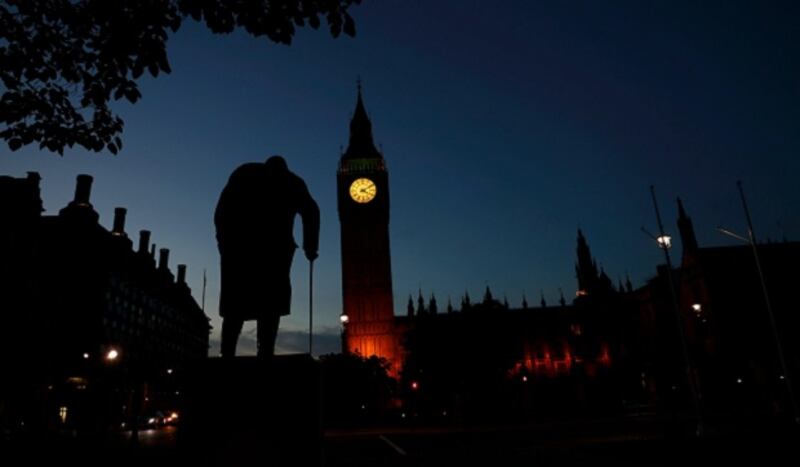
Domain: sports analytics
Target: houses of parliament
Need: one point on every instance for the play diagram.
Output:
(611, 344)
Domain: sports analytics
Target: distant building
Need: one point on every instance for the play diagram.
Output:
(489, 357)
(733, 349)
(93, 331)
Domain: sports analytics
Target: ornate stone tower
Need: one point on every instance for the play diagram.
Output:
(363, 199)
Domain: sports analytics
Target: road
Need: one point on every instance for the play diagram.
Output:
(644, 442)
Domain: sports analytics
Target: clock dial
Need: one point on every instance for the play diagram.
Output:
(363, 190)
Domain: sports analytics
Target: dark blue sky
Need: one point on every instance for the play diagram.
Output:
(505, 126)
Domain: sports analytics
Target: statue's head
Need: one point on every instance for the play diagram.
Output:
(277, 164)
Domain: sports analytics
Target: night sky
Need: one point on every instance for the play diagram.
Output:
(506, 126)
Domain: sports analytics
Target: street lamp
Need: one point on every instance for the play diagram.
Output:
(751, 239)
(112, 354)
(664, 242)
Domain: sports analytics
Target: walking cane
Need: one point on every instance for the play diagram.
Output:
(310, 305)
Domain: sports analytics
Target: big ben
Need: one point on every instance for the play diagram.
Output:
(363, 202)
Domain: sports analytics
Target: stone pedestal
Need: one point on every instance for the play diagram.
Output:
(251, 411)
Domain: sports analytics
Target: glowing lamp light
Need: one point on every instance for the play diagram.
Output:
(112, 355)
(85, 356)
(697, 307)
(344, 319)
(524, 379)
(738, 380)
(664, 241)
(414, 385)
(169, 371)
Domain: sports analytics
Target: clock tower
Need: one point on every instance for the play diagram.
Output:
(363, 201)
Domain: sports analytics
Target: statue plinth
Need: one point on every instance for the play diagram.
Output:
(253, 411)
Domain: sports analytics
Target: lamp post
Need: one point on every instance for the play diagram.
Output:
(665, 242)
(751, 239)
(344, 320)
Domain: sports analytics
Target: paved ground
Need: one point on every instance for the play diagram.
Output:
(641, 442)
(567, 444)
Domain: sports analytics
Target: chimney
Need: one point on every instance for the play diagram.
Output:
(35, 193)
(119, 222)
(144, 241)
(182, 274)
(34, 180)
(163, 259)
(83, 189)
(80, 209)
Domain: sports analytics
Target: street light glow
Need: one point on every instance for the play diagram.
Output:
(664, 241)
(112, 355)
(344, 318)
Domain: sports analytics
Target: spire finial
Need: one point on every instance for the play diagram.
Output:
(358, 84)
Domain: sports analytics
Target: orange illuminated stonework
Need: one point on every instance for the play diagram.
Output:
(375, 339)
(546, 360)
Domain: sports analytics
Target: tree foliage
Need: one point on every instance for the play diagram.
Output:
(63, 61)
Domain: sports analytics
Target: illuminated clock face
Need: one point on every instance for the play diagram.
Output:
(363, 190)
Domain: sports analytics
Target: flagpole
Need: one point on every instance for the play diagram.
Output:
(776, 335)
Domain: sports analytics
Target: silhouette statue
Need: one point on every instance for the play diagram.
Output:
(255, 223)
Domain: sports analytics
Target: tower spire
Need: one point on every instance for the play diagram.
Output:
(585, 267)
(686, 230)
(361, 145)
